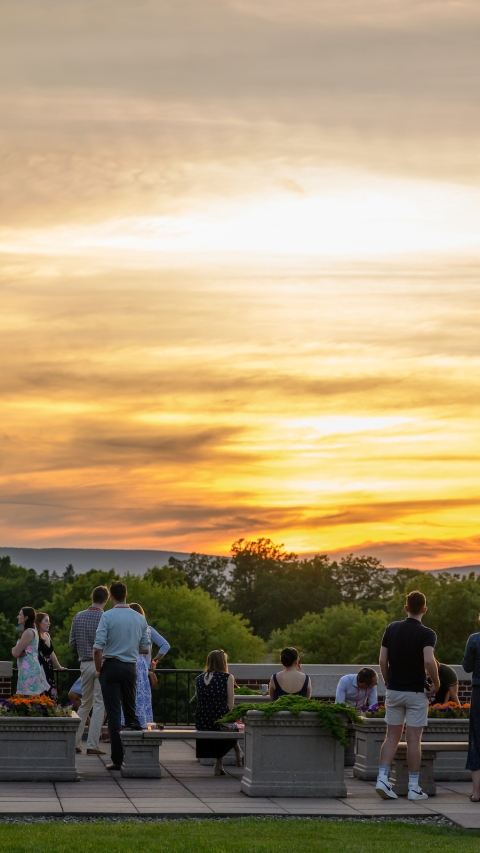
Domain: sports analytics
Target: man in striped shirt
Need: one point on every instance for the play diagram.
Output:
(82, 638)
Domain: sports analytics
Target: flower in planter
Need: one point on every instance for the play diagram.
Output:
(32, 706)
(449, 710)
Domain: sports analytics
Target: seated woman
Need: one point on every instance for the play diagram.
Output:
(358, 690)
(215, 695)
(291, 680)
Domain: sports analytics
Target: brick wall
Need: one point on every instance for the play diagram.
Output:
(5, 686)
(6, 671)
(464, 691)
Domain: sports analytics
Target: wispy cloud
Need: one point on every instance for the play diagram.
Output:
(239, 274)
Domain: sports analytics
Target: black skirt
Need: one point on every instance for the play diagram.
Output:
(213, 748)
(473, 756)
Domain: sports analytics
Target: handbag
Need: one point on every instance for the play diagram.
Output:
(152, 679)
(229, 727)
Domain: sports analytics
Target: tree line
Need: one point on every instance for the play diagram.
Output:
(255, 602)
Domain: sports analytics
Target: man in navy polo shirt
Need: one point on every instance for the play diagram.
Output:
(406, 658)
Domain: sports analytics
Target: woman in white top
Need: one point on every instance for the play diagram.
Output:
(358, 690)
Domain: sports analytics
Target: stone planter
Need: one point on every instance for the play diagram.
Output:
(349, 758)
(448, 766)
(368, 741)
(141, 757)
(251, 700)
(289, 756)
(38, 749)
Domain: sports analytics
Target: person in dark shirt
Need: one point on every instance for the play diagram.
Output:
(448, 684)
(406, 657)
(471, 663)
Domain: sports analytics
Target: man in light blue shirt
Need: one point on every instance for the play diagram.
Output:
(358, 690)
(121, 635)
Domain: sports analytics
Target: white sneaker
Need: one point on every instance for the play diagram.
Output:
(384, 789)
(417, 794)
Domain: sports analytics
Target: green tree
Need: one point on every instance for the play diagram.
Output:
(341, 634)
(363, 580)
(209, 573)
(8, 638)
(272, 588)
(21, 587)
(453, 608)
(75, 594)
(191, 621)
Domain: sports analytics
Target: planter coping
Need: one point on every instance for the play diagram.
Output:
(285, 713)
(48, 721)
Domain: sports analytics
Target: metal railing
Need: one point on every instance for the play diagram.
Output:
(172, 701)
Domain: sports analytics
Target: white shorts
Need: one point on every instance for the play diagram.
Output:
(402, 705)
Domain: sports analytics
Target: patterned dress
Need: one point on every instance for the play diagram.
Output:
(211, 690)
(45, 652)
(31, 680)
(144, 692)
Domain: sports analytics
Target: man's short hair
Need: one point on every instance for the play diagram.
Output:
(415, 602)
(118, 591)
(100, 595)
(366, 675)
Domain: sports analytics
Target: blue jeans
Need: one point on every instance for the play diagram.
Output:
(118, 681)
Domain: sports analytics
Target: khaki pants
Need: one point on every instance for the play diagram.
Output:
(91, 698)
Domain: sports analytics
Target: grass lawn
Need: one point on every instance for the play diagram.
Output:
(246, 835)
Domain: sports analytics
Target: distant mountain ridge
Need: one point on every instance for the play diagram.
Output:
(452, 570)
(135, 561)
(83, 559)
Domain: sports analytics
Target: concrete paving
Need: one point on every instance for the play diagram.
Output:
(190, 789)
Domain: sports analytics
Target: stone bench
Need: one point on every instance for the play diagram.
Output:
(141, 757)
(399, 774)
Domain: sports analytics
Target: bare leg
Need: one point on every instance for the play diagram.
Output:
(389, 746)
(218, 769)
(476, 784)
(238, 754)
(414, 748)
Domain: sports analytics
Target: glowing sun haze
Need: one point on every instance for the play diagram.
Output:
(239, 252)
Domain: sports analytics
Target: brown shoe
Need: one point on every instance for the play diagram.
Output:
(95, 752)
(77, 749)
(114, 766)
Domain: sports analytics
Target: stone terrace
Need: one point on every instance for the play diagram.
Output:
(188, 789)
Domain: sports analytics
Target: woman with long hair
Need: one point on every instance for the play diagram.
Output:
(144, 665)
(215, 694)
(46, 653)
(31, 680)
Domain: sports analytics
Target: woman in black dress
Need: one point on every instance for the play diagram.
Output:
(46, 653)
(215, 695)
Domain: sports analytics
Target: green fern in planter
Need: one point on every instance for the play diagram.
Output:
(332, 716)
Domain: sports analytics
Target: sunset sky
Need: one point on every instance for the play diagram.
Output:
(239, 276)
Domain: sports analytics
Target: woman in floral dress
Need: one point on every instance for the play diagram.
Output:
(31, 680)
